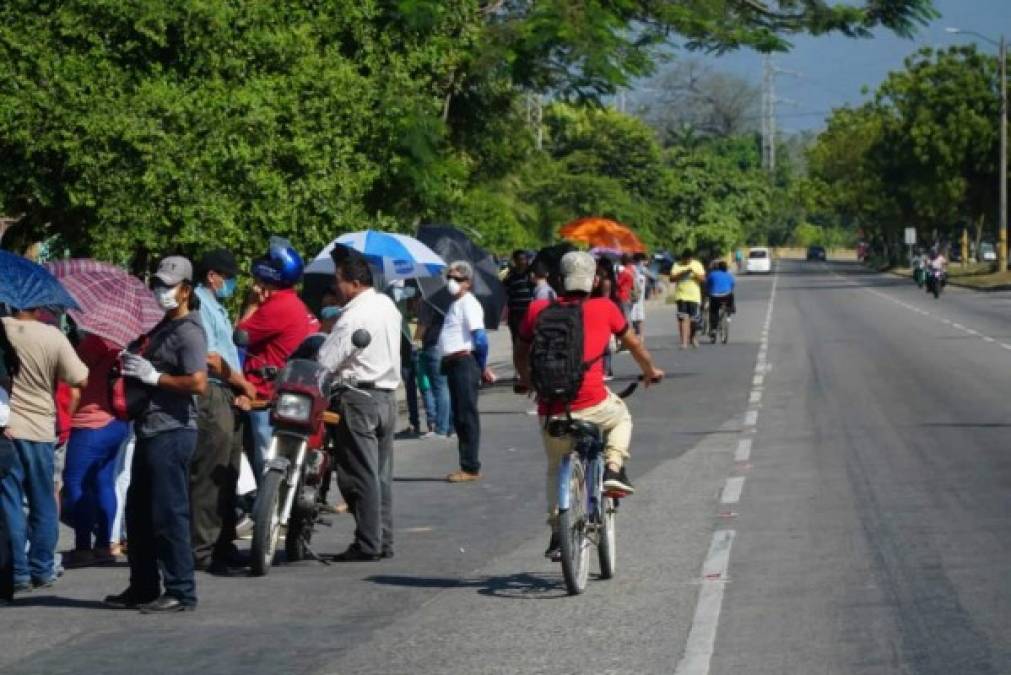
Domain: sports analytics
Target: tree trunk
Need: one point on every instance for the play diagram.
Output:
(979, 235)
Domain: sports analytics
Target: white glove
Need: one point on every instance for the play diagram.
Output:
(140, 368)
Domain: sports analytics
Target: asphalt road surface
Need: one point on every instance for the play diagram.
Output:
(828, 493)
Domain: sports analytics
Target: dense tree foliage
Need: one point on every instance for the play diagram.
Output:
(130, 128)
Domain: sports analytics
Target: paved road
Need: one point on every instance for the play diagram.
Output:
(868, 516)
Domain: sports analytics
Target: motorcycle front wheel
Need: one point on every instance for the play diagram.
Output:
(267, 524)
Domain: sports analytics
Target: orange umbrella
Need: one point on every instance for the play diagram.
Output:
(603, 232)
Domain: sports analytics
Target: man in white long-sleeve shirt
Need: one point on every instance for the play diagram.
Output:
(368, 412)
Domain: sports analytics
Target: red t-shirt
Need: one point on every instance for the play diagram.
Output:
(601, 320)
(94, 410)
(275, 330)
(626, 281)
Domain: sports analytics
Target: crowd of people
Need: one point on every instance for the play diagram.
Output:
(140, 447)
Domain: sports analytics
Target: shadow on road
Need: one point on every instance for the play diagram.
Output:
(58, 603)
(520, 586)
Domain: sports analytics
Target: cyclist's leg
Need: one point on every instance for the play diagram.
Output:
(732, 304)
(555, 449)
(714, 313)
(613, 418)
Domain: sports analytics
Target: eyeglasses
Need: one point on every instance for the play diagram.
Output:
(457, 279)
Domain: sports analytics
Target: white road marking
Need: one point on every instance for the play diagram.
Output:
(987, 338)
(732, 490)
(702, 637)
(757, 382)
(755, 397)
(751, 418)
(743, 453)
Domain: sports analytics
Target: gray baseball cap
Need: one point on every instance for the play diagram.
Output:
(174, 270)
(578, 270)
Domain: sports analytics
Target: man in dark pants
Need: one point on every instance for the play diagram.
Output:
(211, 475)
(369, 411)
(464, 347)
(6, 553)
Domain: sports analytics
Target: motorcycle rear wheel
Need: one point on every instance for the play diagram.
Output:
(267, 524)
(296, 537)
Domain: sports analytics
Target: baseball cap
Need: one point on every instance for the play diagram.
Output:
(578, 270)
(174, 270)
(219, 260)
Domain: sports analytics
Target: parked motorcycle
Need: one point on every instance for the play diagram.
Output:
(297, 461)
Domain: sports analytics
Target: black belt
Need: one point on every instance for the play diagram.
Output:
(371, 386)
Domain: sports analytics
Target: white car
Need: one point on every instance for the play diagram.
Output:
(987, 253)
(759, 261)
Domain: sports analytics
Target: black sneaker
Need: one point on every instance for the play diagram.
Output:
(124, 600)
(617, 482)
(554, 551)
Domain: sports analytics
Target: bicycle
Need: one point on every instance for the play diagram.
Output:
(586, 514)
(721, 330)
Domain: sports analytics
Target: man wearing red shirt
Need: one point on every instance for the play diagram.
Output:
(626, 282)
(276, 322)
(595, 402)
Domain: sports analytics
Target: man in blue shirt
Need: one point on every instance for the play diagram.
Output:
(720, 289)
(215, 465)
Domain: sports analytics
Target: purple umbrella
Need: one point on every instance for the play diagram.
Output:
(113, 304)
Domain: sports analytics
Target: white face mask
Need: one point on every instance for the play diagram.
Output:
(453, 286)
(167, 298)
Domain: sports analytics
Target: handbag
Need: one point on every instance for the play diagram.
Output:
(128, 398)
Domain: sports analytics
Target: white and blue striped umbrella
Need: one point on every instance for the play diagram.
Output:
(395, 256)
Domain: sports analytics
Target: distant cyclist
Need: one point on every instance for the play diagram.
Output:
(594, 403)
(720, 289)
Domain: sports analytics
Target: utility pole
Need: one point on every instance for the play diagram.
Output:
(768, 115)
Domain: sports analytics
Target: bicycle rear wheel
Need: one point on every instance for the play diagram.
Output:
(607, 549)
(572, 528)
(725, 327)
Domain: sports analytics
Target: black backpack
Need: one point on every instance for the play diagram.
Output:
(557, 362)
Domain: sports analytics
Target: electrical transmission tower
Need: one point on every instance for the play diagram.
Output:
(769, 101)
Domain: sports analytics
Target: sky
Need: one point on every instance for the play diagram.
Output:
(831, 71)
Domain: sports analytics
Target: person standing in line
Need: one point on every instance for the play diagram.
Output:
(276, 322)
(430, 322)
(606, 287)
(637, 312)
(519, 291)
(214, 469)
(464, 346)
(689, 275)
(173, 368)
(542, 287)
(8, 367)
(369, 409)
(89, 476)
(626, 285)
(45, 357)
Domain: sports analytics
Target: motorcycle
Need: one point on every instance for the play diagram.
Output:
(297, 460)
(920, 274)
(935, 282)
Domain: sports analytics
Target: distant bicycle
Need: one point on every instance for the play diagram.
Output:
(721, 331)
(586, 514)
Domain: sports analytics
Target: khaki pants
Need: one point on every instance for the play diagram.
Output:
(612, 416)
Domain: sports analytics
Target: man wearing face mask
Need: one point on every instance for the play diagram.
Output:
(464, 346)
(214, 470)
(277, 321)
(368, 411)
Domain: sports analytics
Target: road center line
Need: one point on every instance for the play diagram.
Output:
(743, 453)
(732, 490)
(702, 637)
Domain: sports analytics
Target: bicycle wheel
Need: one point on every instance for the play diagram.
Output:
(607, 548)
(572, 527)
(725, 327)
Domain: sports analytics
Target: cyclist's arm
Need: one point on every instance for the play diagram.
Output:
(638, 351)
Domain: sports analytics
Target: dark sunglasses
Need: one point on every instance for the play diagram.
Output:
(458, 279)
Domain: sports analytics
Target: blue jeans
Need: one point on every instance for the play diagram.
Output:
(89, 483)
(257, 436)
(31, 478)
(431, 364)
(158, 517)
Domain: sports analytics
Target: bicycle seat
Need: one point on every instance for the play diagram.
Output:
(561, 426)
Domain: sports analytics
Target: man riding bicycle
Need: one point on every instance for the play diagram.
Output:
(594, 402)
(720, 289)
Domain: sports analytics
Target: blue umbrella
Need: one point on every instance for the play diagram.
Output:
(26, 285)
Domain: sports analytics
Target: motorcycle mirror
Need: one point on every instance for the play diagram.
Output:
(240, 338)
(361, 338)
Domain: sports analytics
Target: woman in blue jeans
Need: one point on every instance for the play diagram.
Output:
(89, 476)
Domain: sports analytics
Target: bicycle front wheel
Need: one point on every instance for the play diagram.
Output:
(607, 548)
(572, 527)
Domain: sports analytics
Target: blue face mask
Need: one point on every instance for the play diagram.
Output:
(227, 290)
(331, 313)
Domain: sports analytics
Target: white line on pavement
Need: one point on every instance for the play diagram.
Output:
(732, 490)
(757, 382)
(743, 453)
(702, 637)
(751, 418)
(756, 396)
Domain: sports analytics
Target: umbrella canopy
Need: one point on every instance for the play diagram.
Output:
(394, 256)
(110, 302)
(604, 233)
(27, 285)
(452, 245)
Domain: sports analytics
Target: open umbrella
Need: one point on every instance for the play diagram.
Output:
(603, 232)
(394, 256)
(110, 302)
(27, 285)
(452, 245)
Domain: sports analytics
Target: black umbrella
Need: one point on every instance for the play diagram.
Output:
(451, 244)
